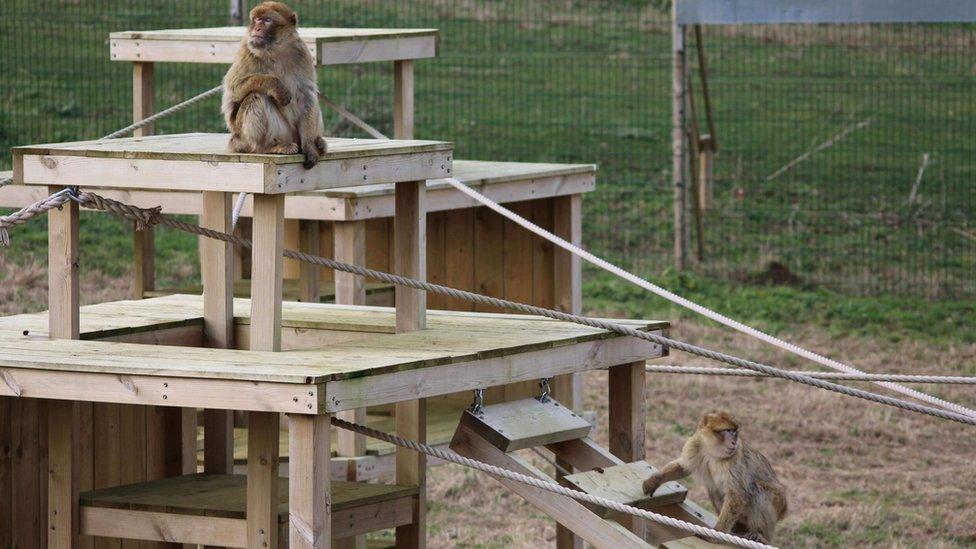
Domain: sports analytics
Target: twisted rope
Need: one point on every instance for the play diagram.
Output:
(153, 216)
(548, 486)
(700, 309)
(25, 214)
(837, 376)
(161, 114)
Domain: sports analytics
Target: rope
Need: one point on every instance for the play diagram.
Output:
(837, 376)
(26, 213)
(161, 114)
(6, 181)
(500, 472)
(702, 310)
(235, 215)
(153, 216)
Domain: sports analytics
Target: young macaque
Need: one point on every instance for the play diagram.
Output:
(271, 99)
(741, 483)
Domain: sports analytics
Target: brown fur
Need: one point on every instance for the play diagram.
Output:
(740, 481)
(271, 97)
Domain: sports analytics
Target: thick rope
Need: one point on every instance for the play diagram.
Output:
(149, 216)
(700, 309)
(164, 113)
(836, 376)
(26, 213)
(542, 484)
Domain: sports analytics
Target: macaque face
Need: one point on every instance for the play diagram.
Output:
(724, 433)
(263, 25)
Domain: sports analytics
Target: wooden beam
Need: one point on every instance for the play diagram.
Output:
(216, 270)
(410, 233)
(308, 273)
(265, 335)
(403, 106)
(144, 247)
(350, 247)
(144, 261)
(309, 504)
(679, 146)
(626, 398)
(565, 510)
(62, 516)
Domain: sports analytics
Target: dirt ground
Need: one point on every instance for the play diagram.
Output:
(859, 474)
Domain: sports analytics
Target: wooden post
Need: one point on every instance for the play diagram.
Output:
(308, 273)
(567, 287)
(143, 106)
(626, 396)
(682, 229)
(403, 107)
(706, 159)
(309, 504)
(63, 323)
(350, 247)
(264, 427)
(217, 274)
(410, 257)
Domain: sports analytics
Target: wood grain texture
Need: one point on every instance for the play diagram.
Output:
(309, 504)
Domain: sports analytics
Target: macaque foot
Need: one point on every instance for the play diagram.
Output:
(287, 148)
(321, 145)
(652, 484)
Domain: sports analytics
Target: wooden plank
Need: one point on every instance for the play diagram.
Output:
(326, 247)
(488, 256)
(436, 264)
(626, 420)
(143, 95)
(403, 100)
(309, 506)
(679, 144)
(622, 483)
(350, 247)
(410, 226)
(692, 542)
(107, 454)
(25, 491)
(62, 516)
(565, 510)
(308, 273)
(144, 261)
(119, 523)
(266, 280)
(132, 434)
(291, 241)
(459, 256)
(765, 12)
(63, 259)
(6, 479)
(527, 423)
(218, 322)
(411, 470)
(517, 268)
(262, 479)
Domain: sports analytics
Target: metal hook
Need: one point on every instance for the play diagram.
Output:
(546, 390)
(479, 401)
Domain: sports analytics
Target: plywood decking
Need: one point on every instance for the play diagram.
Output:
(451, 337)
(201, 162)
(328, 46)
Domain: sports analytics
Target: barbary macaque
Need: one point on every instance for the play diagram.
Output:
(740, 481)
(271, 98)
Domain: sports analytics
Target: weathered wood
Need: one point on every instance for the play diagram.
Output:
(692, 542)
(626, 421)
(403, 93)
(410, 226)
(350, 247)
(262, 479)
(328, 46)
(622, 483)
(201, 162)
(565, 510)
(144, 261)
(679, 144)
(309, 506)
(308, 274)
(62, 517)
(266, 280)
(527, 423)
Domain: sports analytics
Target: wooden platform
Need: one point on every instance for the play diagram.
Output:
(201, 162)
(503, 182)
(623, 484)
(328, 46)
(376, 293)
(214, 506)
(362, 362)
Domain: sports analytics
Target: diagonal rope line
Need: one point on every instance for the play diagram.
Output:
(164, 113)
(501, 472)
(152, 216)
(837, 376)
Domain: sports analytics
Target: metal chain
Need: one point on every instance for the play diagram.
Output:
(542, 484)
(153, 215)
(836, 376)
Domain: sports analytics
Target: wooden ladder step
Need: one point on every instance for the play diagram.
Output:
(527, 423)
(210, 509)
(623, 484)
(692, 542)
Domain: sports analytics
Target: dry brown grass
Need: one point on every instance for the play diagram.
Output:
(858, 473)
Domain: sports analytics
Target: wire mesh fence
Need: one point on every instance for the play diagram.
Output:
(846, 153)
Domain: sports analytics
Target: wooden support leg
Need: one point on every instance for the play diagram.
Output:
(309, 504)
(63, 323)
(411, 314)
(144, 258)
(263, 427)
(567, 287)
(218, 324)
(309, 274)
(626, 395)
(403, 109)
(350, 247)
(143, 106)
